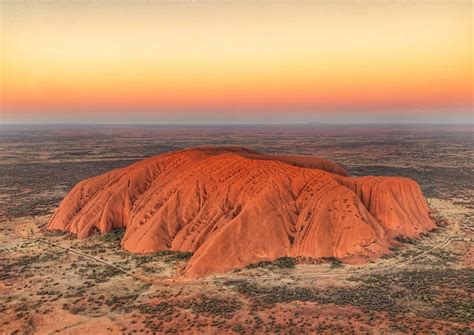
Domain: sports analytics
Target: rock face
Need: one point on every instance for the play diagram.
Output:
(232, 207)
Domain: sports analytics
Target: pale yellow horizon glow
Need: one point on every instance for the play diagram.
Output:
(211, 54)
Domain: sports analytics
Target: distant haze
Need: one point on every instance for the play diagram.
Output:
(236, 62)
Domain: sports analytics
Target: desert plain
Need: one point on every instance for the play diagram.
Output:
(53, 283)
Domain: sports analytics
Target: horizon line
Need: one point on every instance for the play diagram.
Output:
(309, 124)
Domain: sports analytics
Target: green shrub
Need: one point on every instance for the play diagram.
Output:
(285, 263)
(335, 263)
(182, 255)
(404, 239)
(113, 235)
(282, 263)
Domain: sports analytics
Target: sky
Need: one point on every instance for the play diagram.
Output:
(236, 61)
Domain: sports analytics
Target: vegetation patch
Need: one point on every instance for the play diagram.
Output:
(54, 233)
(114, 235)
(168, 256)
(404, 239)
(281, 263)
(441, 294)
(173, 256)
(212, 306)
(97, 272)
(334, 262)
(163, 308)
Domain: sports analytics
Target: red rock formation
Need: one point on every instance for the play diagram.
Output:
(232, 207)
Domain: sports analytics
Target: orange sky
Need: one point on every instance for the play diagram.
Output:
(236, 61)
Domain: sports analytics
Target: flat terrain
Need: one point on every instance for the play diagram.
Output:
(53, 283)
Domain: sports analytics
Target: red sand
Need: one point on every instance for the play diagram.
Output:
(233, 207)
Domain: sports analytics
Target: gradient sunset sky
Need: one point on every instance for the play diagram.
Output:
(236, 61)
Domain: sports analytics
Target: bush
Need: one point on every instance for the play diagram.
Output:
(182, 255)
(285, 263)
(282, 263)
(404, 239)
(113, 235)
(335, 263)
